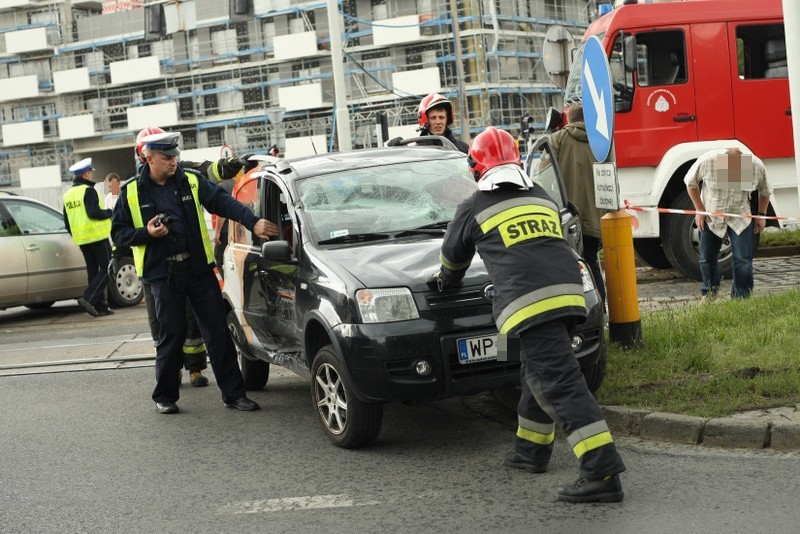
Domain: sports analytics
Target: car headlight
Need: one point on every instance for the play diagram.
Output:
(586, 277)
(386, 305)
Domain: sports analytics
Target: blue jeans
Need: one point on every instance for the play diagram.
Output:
(742, 247)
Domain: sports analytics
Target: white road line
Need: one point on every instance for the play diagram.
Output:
(309, 502)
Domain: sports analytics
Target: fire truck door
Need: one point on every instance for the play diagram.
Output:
(760, 87)
(662, 112)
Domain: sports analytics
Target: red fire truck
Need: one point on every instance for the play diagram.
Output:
(691, 76)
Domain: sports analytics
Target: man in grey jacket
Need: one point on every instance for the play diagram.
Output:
(571, 146)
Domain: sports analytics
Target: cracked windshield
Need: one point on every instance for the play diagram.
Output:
(385, 200)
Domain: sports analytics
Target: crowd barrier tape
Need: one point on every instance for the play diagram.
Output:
(628, 206)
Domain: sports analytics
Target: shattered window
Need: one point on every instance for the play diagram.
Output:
(385, 199)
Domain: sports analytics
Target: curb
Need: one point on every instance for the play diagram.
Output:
(776, 429)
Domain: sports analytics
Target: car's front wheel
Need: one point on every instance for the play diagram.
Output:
(254, 372)
(348, 422)
(124, 286)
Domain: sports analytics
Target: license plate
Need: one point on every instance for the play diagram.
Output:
(477, 349)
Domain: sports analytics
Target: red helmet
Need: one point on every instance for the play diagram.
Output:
(491, 148)
(434, 100)
(150, 130)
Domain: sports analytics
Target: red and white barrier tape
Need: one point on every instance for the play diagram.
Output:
(710, 213)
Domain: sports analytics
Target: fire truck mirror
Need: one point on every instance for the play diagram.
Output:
(629, 51)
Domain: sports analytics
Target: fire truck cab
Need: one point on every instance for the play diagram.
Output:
(689, 77)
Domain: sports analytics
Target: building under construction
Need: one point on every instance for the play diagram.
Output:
(79, 78)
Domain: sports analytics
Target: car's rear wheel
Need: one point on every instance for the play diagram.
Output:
(40, 305)
(254, 372)
(348, 422)
(125, 287)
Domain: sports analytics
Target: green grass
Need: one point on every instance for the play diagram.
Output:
(712, 360)
(780, 238)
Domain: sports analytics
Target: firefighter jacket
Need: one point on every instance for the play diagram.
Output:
(136, 206)
(83, 217)
(517, 232)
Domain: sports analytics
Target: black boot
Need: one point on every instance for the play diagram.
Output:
(516, 461)
(606, 490)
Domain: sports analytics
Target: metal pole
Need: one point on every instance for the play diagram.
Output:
(791, 22)
(339, 87)
(462, 105)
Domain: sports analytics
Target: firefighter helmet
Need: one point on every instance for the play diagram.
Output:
(492, 148)
(150, 130)
(434, 100)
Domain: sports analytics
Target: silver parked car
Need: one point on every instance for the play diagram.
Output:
(40, 263)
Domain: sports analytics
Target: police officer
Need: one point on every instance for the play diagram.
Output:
(516, 228)
(160, 215)
(89, 226)
(436, 116)
(194, 349)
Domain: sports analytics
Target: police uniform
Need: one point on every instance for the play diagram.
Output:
(180, 266)
(194, 349)
(90, 227)
(539, 296)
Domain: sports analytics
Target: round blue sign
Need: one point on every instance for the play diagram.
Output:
(598, 98)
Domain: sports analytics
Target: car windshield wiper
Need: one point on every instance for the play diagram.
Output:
(354, 238)
(428, 229)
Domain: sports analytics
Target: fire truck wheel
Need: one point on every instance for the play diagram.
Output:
(652, 253)
(681, 240)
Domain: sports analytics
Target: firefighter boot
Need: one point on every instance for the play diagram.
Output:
(516, 461)
(608, 489)
(197, 379)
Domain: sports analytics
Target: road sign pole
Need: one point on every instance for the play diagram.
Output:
(616, 232)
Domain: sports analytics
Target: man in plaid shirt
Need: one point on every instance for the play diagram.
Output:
(728, 177)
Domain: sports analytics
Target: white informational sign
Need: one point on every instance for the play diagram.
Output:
(606, 187)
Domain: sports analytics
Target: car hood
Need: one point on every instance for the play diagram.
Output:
(399, 263)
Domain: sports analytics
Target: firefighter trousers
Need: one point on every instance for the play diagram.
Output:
(553, 389)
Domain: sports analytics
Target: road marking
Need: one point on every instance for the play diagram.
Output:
(309, 502)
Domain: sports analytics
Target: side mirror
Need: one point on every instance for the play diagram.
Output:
(629, 53)
(572, 208)
(277, 251)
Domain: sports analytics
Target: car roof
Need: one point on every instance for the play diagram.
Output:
(298, 168)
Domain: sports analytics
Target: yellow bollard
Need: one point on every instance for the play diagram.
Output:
(624, 325)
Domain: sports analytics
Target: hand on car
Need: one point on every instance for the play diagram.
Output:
(265, 229)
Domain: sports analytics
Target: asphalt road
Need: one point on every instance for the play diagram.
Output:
(83, 451)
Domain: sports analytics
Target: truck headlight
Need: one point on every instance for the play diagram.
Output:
(386, 305)
(586, 277)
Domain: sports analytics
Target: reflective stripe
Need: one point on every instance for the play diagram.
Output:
(536, 437)
(539, 301)
(452, 266)
(193, 184)
(194, 346)
(132, 194)
(528, 209)
(500, 207)
(84, 229)
(589, 437)
(540, 433)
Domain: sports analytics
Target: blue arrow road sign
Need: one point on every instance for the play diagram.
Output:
(598, 98)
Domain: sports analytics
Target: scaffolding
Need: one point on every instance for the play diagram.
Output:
(223, 73)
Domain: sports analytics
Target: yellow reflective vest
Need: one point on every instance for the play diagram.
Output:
(84, 229)
(132, 194)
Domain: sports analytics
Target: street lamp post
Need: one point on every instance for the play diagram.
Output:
(339, 87)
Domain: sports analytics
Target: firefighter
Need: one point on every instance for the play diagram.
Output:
(194, 349)
(435, 118)
(90, 227)
(160, 215)
(516, 228)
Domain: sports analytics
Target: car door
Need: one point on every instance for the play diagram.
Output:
(543, 169)
(14, 267)
(278, 277)
(55, 265)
